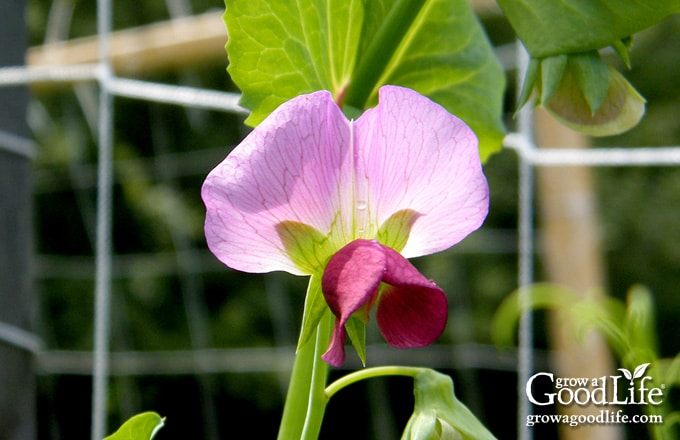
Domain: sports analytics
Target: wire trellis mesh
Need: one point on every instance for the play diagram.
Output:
(190, 262)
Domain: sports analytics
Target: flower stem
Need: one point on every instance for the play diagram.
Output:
(306, 400)
(368, 373)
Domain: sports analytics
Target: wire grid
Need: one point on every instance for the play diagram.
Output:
(111, 86)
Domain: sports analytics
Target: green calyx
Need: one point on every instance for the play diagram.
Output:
(582, 92)
(394, 231)
(310, 250)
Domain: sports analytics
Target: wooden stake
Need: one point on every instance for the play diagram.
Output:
(164, 45)
(572, 258)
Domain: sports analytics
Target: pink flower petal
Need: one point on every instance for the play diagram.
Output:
(293, 167)
(412, 311)
(306, 164)
(413, 154)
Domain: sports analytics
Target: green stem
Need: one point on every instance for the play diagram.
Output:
(306, 400)
(369, 373)
(374, 61)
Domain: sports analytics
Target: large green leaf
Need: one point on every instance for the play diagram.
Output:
(278, 50)
(281, 49)
(552, 27)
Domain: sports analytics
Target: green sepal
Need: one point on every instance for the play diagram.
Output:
(315, 306)
(530, 78)
(592, 77)
(308, 248)
(622, 48)
(394, 231)
(552, 70)
(356, 330)
(435, 399)
(142, 426)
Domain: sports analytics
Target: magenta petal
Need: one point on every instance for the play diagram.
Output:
(350, 280)
(412, 311)
(352, 277)
(335, 355)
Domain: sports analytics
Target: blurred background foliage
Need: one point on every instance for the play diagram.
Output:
(171, 294)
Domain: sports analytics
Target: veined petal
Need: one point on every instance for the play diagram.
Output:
(293, 167)
(412, 154)
(307, 165)
(412, 311)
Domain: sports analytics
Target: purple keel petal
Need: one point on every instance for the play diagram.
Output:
(292, 167)
(415, 155)
(412, 311)
(335, 355)
(352, 277)
(350, 281)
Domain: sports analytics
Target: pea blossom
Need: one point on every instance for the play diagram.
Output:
(312, 192)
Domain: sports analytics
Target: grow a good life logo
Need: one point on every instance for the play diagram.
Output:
(605, 390)
(629, 388)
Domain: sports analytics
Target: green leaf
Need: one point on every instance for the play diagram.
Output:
(315, 307)
(143, 426)
(539, 295)
(639, 323)
(670, 371)
(620, 110)
(549, 27)
(627, 330)
(279, 50)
